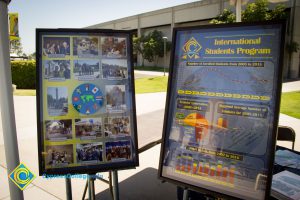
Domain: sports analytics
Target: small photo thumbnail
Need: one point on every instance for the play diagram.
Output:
(88, 128)
(59, 155)
(58, 130)
(115, 96)
(113, 47)
(116, 127)
(56, 47)
(118, 151)
(114, 69)
(86, 69)
(90, 153)
(57, 101)
(85, 47)
(57, 70)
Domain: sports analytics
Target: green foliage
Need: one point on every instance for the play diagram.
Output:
(278, 13)
(256, 11)
(32, 56)
(16, 47)
(23, 74)
(225, 17)
(151, 46)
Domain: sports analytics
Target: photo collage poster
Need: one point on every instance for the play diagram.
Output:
(221, 111)
(86, 101)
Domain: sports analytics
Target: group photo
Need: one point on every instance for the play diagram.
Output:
(114, 69)
(89, 153)
(57, 101)
(58, 129)
(85, 46)
(56, 46)
(115, 97)
(113, 47)
(116, 126)
(57, 69)
(86, 69)
(119, 150)
(59, 155)
(88, 128)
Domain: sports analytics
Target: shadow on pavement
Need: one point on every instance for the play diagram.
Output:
(143, 186)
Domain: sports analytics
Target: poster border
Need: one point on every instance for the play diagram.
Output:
(172, 82)
(89, 169)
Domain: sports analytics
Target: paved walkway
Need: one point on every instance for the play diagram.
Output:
(150, 111)
(291, 86)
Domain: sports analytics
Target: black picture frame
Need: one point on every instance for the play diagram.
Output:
(171, 99)
(40, 101)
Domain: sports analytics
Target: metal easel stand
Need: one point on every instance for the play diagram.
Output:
(91, 186)
(98, 178)
(68, 188)
(115, 185)
(185, 194)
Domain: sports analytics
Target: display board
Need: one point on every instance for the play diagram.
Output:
(85, 101)
(222, 109)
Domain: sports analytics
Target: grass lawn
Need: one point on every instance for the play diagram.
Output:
(149, 85)
(290, 104)
(23, 92)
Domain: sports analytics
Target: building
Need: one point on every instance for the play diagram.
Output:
(200, 13)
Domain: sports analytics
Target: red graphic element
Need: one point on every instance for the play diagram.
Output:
(75, 99)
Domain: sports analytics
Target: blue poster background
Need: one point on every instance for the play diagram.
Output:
(222, 108)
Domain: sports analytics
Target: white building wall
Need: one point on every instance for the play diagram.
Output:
(127, 25)
(197, 13)
(156, 20)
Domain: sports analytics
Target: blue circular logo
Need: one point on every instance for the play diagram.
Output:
(87, 98)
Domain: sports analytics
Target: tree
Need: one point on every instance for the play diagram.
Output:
(32, 56)
(16, 47)
(225, 17)
(256, 11)
(138, 46)
(151, 46)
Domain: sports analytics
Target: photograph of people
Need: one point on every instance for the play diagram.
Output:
(89, 153)
(56, 47)
(113, 47)
(58, 129)
(57, 70)
(57, 101)
(59, 155)
(85, 46)
(117, 151)
(115, 97)
(114, 69)
(86, 69)
(88, 128)
(116, 126)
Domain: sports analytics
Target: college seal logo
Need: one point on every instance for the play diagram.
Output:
(191, 49)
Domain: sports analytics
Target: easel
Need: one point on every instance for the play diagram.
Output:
(112, 182)
(185, 194)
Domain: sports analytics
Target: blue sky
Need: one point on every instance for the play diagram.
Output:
(76, 14)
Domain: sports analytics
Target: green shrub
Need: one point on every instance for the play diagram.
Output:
(23, 74)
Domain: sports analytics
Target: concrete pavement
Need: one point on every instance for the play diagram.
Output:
(150, 111)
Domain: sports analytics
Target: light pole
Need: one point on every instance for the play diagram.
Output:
(165, 54)
(6, 103)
